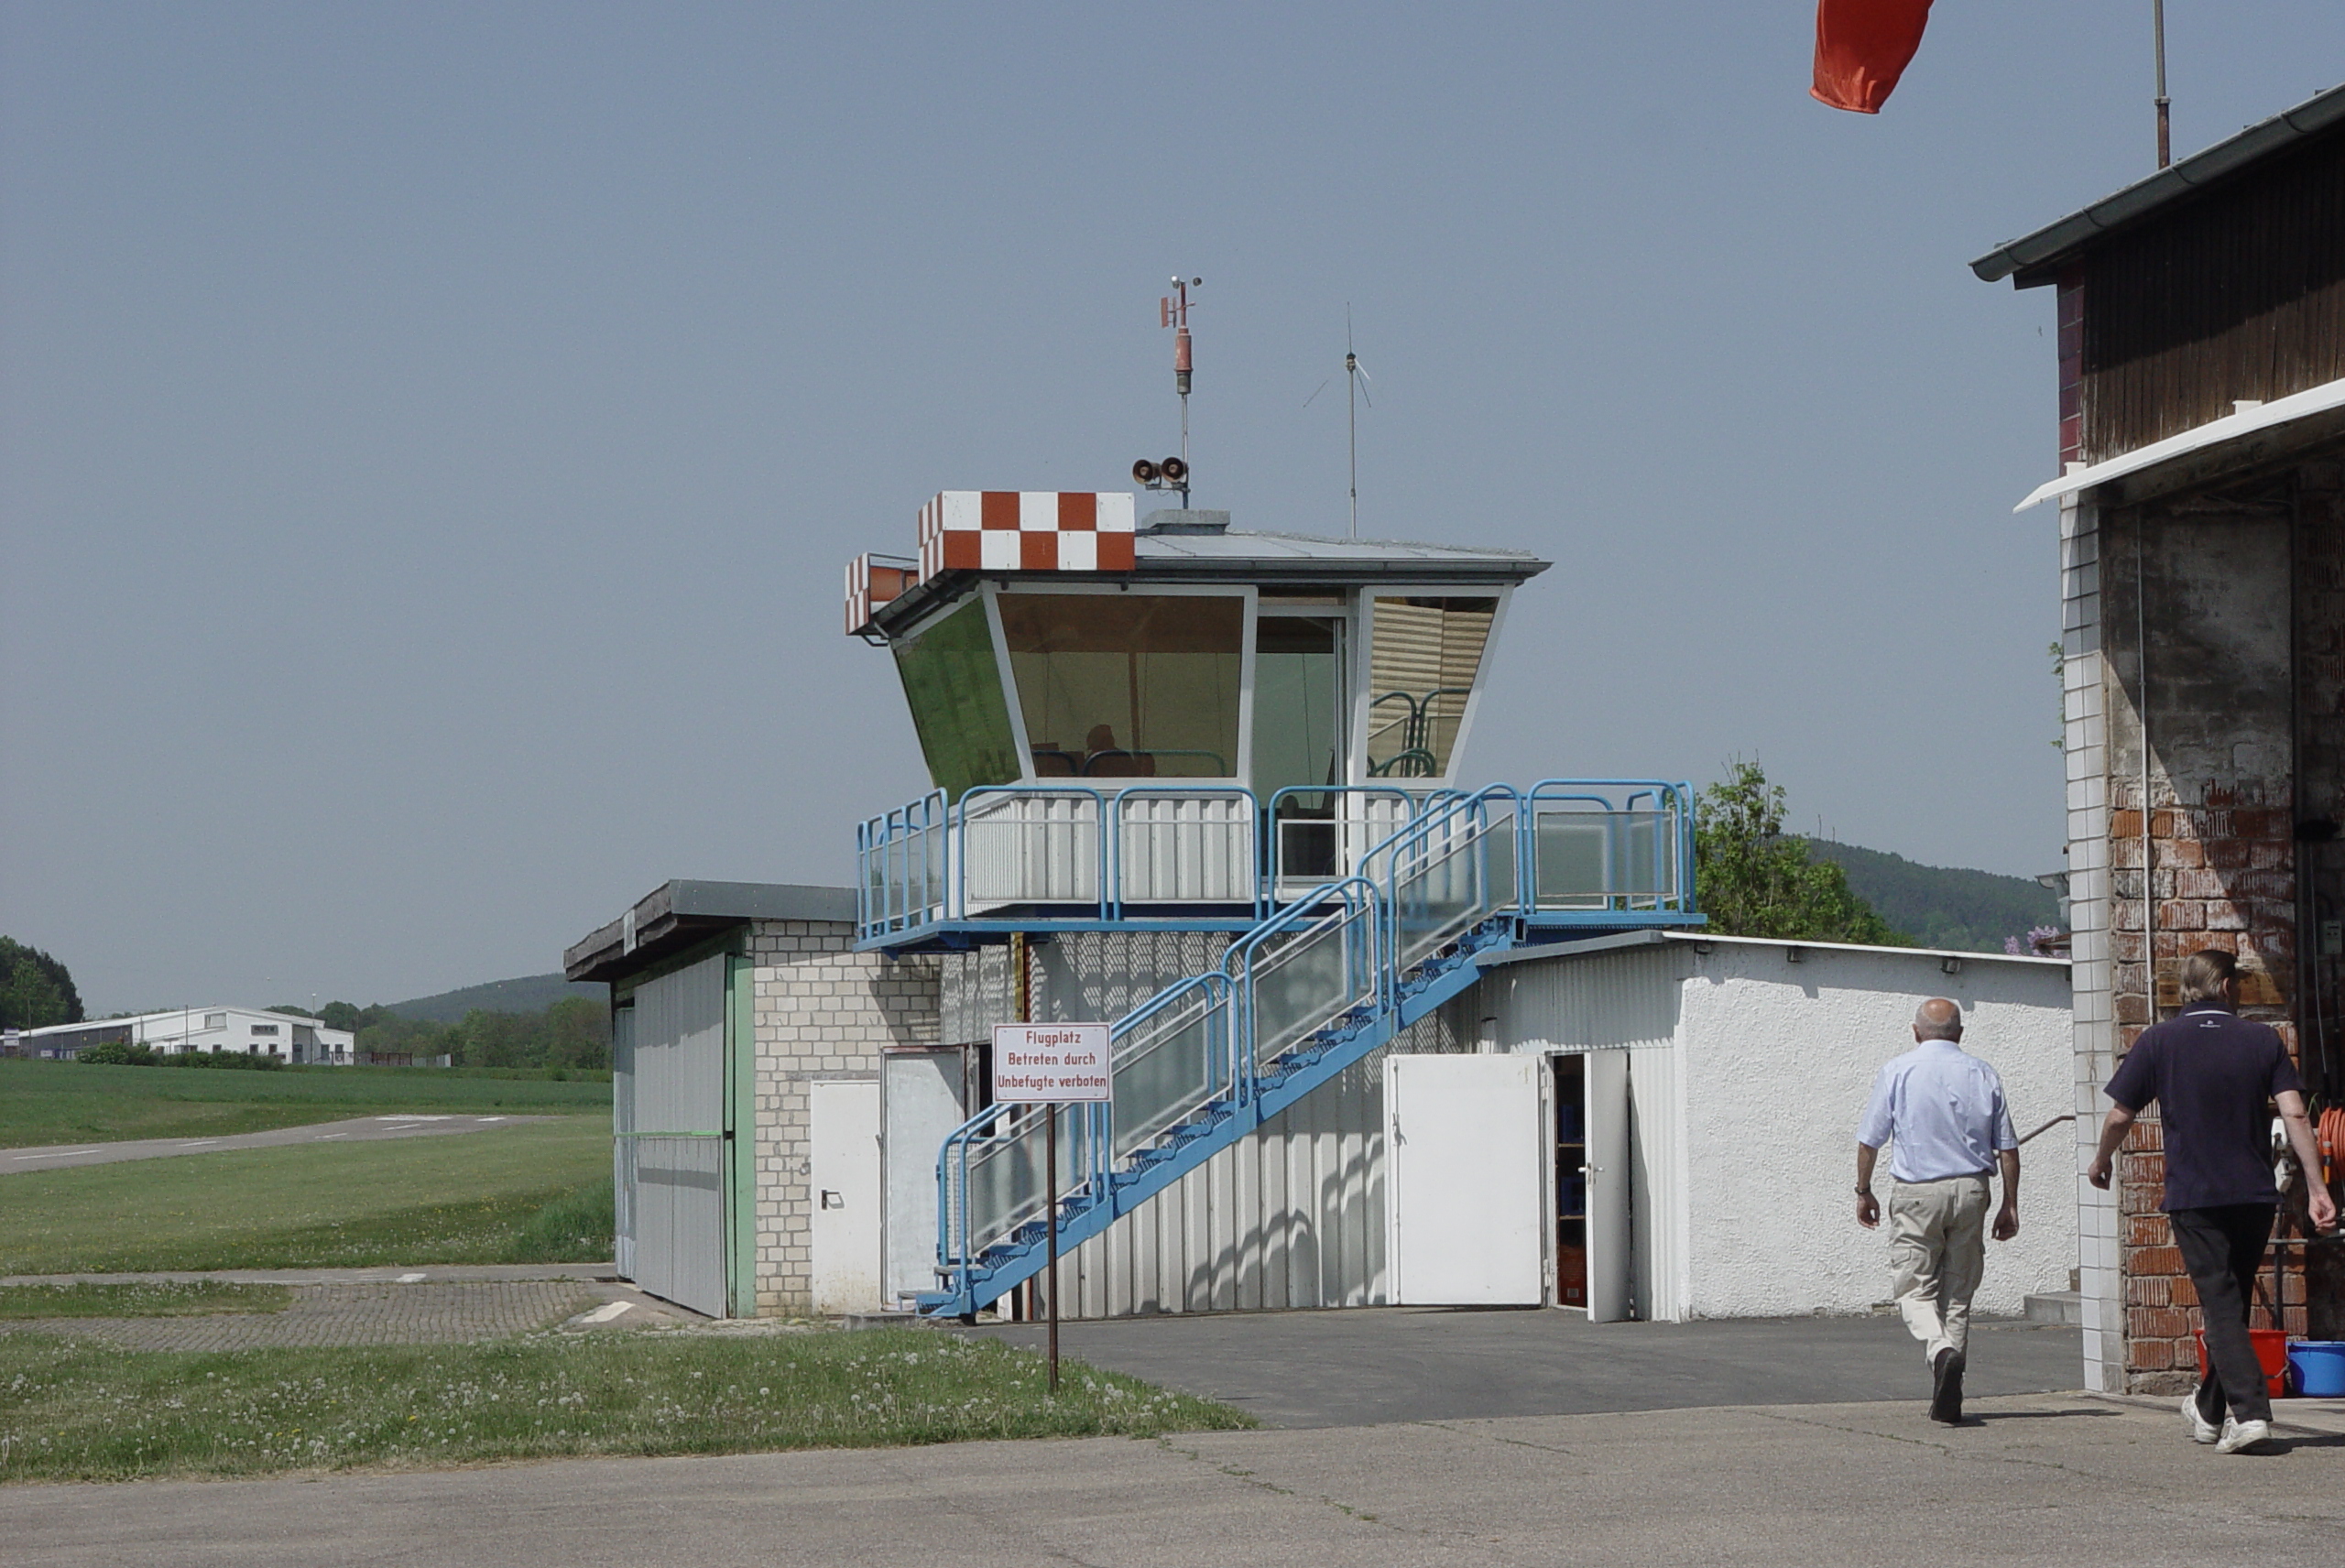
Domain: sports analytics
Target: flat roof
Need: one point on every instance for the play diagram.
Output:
(675, 915)
(1276, 560)
(2028, 259)
(1706, 939)
(163, 1012)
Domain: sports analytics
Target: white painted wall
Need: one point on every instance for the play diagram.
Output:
(1748, 1074)
(1776, 1062)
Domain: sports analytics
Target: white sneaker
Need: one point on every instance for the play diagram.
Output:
(2202, 1430)
(2239, 1436)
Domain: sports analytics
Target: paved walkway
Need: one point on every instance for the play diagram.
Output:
(348, 1314)
(377, 1306)
(2041, 1481)
(1366, 1364)
(358, 1129)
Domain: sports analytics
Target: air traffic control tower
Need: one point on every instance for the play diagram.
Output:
(1249, 742)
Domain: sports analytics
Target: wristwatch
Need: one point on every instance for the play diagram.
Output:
(1864, 1191)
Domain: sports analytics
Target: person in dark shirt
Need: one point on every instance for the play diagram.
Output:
(2216, 1077)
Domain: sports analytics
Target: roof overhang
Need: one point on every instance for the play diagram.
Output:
(678, 915)
(2033, 259)
(1264, 560)
(2257, 433)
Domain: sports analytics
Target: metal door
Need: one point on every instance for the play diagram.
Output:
(921, 1097)
(677, 1205)
(844, 1132)
(1465, 1190)
(1609, 1257)
(623, 1179)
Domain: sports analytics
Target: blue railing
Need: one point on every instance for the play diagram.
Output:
(1310, 988)
(1076, 856)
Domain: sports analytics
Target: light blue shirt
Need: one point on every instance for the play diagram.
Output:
(1942, 1109)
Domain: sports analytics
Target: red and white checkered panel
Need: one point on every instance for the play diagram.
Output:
(1026, 530)
(868, 586)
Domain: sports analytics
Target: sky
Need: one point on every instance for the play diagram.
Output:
(431, 435)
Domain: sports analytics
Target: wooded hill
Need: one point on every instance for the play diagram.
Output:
(1936, 906)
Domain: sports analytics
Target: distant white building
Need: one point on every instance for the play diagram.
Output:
(244, 1030)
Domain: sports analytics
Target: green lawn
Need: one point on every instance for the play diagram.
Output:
(200, 1297)
(65, 1102)
(537, 1192)
(73, 1410)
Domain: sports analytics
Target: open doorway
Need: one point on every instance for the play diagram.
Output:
(1595, 1246)
(1571, 1182)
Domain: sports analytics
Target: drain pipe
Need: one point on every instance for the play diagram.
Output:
(2142, 711)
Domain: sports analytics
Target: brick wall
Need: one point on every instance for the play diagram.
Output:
(821, 1010)
(2200, 848)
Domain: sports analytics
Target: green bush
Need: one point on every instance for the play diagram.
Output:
(116, 1054)
(236, 1061)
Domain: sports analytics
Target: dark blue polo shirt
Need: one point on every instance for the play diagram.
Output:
(2213, 1075)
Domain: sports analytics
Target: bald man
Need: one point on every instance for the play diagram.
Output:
(1943, 1115)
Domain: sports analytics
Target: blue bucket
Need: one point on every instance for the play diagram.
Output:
(2319, 1367)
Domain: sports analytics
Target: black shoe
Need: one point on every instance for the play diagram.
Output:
(1946, 1387)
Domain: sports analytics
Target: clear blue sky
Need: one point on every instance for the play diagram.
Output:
(430, 434)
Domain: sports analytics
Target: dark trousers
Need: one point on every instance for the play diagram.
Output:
(2223, 1247)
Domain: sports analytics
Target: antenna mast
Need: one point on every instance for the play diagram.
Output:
(1173, 310)
(1354, 396)
(2165, 141)
(1353, 372)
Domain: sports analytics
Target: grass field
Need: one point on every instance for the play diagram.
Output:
(66, 1102)
(539, 1192)
(75, 1410)
(199, 1298)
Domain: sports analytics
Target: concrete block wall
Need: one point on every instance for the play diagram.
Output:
(821, 1010)
(2088, 690)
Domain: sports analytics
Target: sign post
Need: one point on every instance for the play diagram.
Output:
(1051, 1065)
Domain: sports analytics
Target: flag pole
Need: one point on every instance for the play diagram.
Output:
(2165, 138)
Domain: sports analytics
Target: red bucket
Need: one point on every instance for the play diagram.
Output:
(2271, 1354)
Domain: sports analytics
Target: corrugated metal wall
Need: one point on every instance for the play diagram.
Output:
(1599, 1001)
(676, 1199)
(1291, 1216)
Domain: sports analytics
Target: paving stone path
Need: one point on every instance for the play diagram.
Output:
(351, 1314)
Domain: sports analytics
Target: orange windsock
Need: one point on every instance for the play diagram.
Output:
(1862, 46)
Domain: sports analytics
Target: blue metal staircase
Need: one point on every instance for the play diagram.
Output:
(1306, 993)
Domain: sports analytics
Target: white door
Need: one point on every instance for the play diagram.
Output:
(1609, 1253)
(844, 1133)
(921, 1092)
(1464, 1193)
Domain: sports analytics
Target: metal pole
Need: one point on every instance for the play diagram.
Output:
(1351, 401)
(1051, 1186)
(2166, 139)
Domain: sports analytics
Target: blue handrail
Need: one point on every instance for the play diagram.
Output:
(915, 869)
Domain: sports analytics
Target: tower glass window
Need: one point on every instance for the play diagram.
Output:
(1298, 702)
(1425, 656)
(1128, 685)
(953, 685)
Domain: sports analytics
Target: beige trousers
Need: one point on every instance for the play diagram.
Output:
(1937, 1252)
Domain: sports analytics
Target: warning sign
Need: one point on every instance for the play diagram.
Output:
(1043, 1063)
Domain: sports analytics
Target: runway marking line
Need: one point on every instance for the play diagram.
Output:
(408, 1280)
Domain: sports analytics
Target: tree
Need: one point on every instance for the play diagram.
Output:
(35, 990)
(1753, 880)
